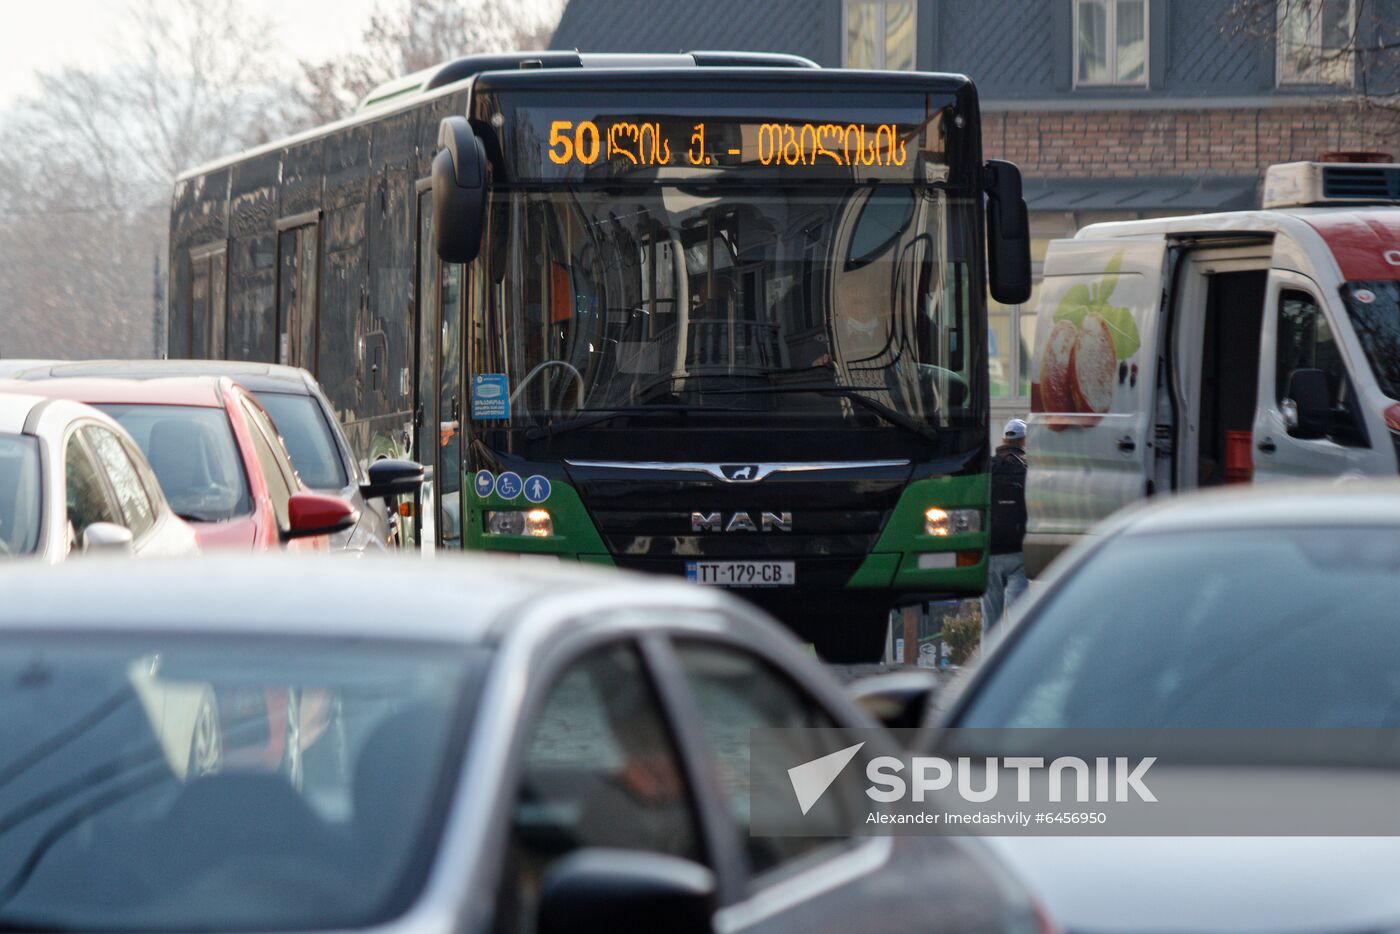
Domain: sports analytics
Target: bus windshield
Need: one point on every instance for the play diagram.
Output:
(836, 306)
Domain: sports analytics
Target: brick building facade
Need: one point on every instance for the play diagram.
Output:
(1113, 109)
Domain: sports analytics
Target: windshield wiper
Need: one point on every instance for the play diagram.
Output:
(596, 417)
(854, 393)
(198, 517)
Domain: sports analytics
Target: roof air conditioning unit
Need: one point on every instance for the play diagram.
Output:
(1311, 184)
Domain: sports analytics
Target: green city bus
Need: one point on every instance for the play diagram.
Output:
(720, 316)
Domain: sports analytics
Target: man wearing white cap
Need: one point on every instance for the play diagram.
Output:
(1006, 567)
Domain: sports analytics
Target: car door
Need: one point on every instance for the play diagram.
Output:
(600, 768)
(795, 883)
(1300, 332)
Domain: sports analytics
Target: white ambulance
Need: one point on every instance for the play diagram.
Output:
(1250, 346)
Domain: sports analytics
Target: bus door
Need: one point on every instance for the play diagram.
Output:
(298, 245)
(437, 416)
(1301, 344)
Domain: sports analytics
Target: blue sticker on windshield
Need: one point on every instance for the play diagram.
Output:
(508, 485)
(537, 489)
(485, 481)
(490, 396)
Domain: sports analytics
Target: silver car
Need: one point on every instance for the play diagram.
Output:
(253, 744)
(72, 479)
(1265, 609)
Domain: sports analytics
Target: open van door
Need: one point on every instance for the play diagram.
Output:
(1093, 376)
(1310, 421)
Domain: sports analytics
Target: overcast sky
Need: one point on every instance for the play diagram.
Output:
(40, 34)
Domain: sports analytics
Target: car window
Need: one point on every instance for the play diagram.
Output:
(131, 494)
(1306, 341)
(1209, 630)
(600, 770)
(308, 438)
(736, 692)
(219, 783)
(21, 495)
(193, 453)
(276, 471)
(87, 497)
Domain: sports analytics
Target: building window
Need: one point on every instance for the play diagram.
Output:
(1315, 41)
(1110, 42)
(880, 34)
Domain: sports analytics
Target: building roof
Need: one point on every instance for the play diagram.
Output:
(1233, 193)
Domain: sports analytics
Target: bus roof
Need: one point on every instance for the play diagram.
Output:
(450, 77)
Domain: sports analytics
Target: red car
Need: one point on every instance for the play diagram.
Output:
(218, 458)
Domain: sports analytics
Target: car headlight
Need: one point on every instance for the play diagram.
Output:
(536, 523)
(943, 522)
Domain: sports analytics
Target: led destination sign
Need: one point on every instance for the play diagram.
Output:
(658, 143)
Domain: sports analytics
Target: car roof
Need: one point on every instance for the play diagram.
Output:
(204, 391)
(257, 377)
(1316, 504)
(15, 408)
(466, 599)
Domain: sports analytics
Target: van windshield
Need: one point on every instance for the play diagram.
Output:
(1374, 308)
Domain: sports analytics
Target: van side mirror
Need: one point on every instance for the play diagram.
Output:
(389, 478)
(1008, 233)
(459, 192)
(1309, 398)
(600, 889)
(106, 538)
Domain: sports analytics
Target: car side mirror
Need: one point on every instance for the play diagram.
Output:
(898, 699)
(459, 191)
(106, 538)
(1307, 406)
(1008, 234)
(311, 514)
(599, 889)
(389, 478)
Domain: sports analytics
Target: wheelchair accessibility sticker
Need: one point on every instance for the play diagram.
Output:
(508, 485)
(490, 396)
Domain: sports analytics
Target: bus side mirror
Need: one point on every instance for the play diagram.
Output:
(1008, 233)
(459, 192)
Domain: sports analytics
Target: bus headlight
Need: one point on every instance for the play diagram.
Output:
(536, 523)
(943, 522)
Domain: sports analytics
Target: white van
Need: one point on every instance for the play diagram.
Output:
(1244, 347)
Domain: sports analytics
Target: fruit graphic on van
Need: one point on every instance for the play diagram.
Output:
(1088, 339)
(1092, 366)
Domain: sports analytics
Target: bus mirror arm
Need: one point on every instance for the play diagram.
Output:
(459, 192)
(1008, 233)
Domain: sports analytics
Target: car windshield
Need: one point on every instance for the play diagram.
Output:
(308, 439)
(1374, 308)
(741, 306)
(162, 783)
(194, 456)
(21, 495)
(1260, 628)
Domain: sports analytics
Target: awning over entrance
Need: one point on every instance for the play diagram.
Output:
(1232, 193)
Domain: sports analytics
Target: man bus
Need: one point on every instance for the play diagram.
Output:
(712, 315)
